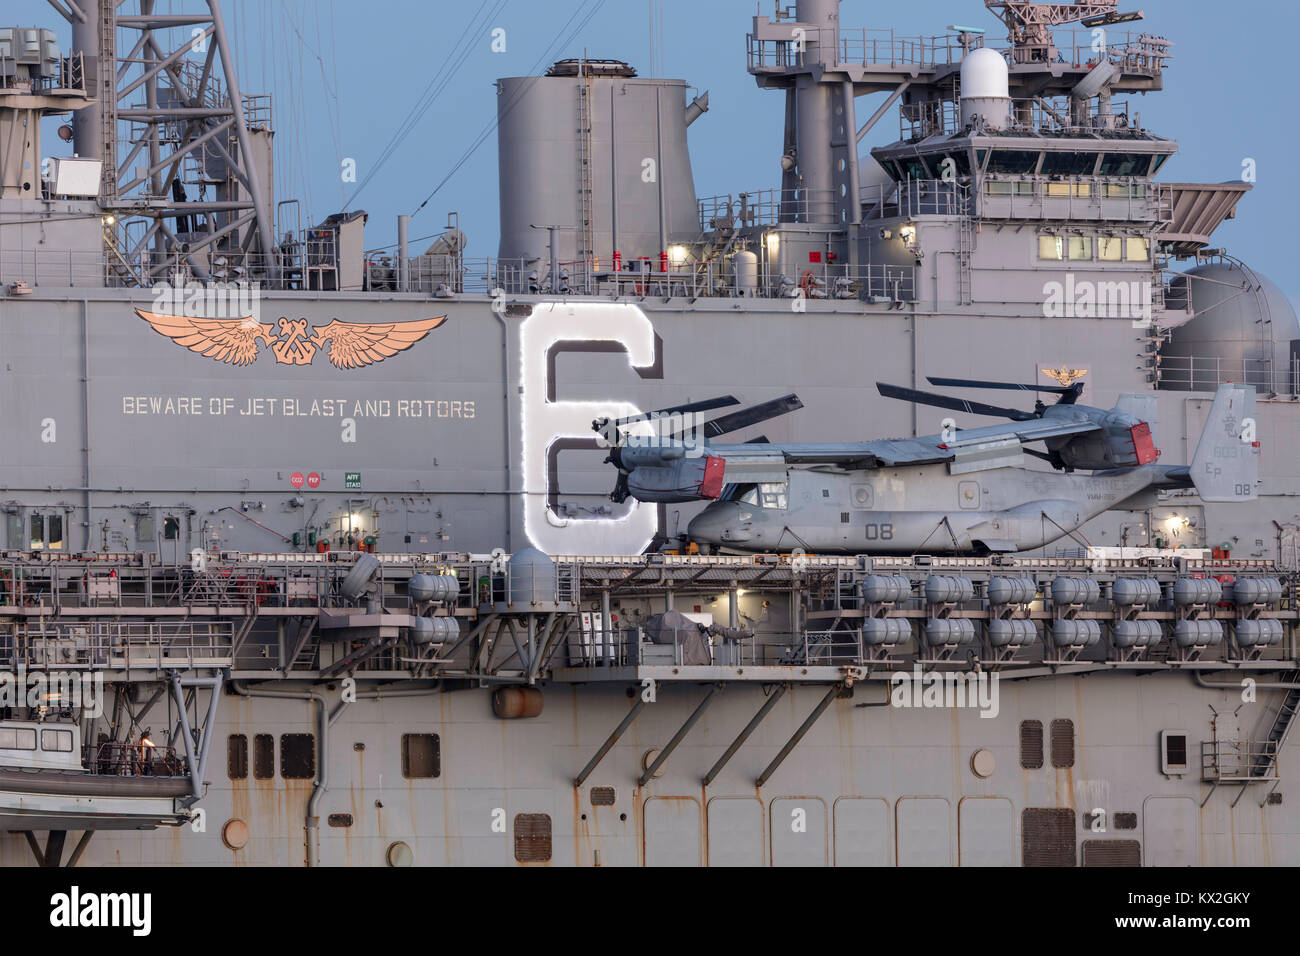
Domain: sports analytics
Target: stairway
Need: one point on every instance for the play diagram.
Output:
(1266, 761)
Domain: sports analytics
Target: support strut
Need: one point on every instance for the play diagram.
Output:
(793, 742)
(680, 735)
(609, 742)
(750, 727)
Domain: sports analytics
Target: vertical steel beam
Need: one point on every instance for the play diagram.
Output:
(245, 143)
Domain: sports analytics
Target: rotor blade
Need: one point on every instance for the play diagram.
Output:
(976, 383)
(704, 405)
(750, 416)
(956, 404)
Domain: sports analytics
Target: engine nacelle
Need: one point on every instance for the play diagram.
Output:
(1123, 442)
(669, 474)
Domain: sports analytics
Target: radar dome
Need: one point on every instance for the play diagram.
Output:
(1244, 329)
(985, 89)
(984, 74)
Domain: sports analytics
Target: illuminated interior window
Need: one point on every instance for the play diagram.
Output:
(1083, 190)
(1051, 247)
(1138, 249)
(1058, 190)
(1109, 248)
(995, 187)
(54, 540)
(1081, 247)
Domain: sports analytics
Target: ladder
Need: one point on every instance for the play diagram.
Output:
(965, 249)
(105, 90)
(1266, 760)
(586, 240)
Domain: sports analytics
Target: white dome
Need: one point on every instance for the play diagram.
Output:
(984, 74)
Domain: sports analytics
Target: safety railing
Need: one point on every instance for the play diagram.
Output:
(1140, 53)
(117, 644)
(1205, 373)
(765, 207)
(133, 760)
(1240, 761)
(916, 197)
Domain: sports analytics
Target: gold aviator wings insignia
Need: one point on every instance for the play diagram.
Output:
(354, 344)
(233, 341)
(1065, 375)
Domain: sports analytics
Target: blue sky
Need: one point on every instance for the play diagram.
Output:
(345, 74)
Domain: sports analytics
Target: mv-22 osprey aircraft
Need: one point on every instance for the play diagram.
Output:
(960, 492)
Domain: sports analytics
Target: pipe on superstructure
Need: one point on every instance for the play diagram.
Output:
(311, 824)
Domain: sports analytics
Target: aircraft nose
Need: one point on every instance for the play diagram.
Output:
(719, 523)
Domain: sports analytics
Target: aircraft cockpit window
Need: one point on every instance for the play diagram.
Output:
(774, 494)
(740, 492)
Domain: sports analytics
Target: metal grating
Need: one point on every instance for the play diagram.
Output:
(533, 837)
(297, 756)
(1047, 837)
(421, 756)
(602, 796)
(1062, 744)
(1126, 820)
(1112, 853)
(340, 820)
(237, 757)
(1031, 744)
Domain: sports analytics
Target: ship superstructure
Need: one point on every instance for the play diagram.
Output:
(330, 527)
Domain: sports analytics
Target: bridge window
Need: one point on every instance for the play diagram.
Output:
(1069, 164)
(1109, 248)
(38, 532)
(1125, 164)
(171, 528)
(1051, 247)
(915, 168)
(1137, 249)
(17, 738)
(1081, 247)
(54, 535)
(56, 741)
(774, 494)
(1014, 161)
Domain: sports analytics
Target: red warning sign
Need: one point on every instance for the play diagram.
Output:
(296, 479)
(313, 480)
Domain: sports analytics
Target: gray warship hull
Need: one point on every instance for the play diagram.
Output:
(427, 451)
(232, 464)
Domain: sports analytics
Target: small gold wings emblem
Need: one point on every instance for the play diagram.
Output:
(1065, 375)
(235, 341)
